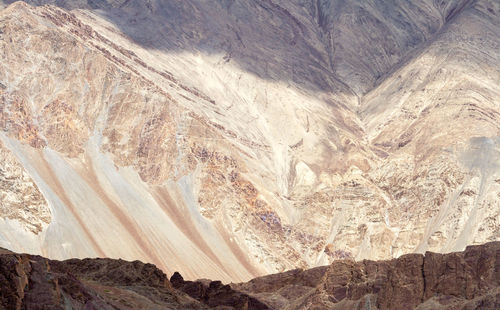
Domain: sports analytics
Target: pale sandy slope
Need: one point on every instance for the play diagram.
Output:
(233, 139)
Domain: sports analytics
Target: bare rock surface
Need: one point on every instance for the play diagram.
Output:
(233, 139)
(20, 198)
(34, 282)
(214, 294)
(462, 280)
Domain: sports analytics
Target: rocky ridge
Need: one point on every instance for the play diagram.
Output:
(465, 280)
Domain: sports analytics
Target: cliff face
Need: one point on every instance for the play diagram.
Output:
(34, 282)
(466, 280)
(233, 139)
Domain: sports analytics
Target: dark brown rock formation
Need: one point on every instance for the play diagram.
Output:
(214, 294)
(465, 280)
(34, 282)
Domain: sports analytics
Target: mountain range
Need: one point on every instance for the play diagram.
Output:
(233, 139)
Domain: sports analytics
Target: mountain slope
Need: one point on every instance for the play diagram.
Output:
(233, 139)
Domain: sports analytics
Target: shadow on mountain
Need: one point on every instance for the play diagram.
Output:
(325, 45)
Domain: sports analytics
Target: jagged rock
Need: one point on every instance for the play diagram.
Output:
(34, 282)
(216, 294)
(464, 280)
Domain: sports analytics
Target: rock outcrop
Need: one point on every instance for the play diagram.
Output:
(215, 294)
(34, 282)
(233, 139)
(466, 280)
(20, 199)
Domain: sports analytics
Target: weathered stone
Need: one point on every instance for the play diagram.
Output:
(284, 134)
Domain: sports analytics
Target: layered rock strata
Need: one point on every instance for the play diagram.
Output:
(241, 138)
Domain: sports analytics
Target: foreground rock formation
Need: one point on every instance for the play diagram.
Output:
(233, 139)
(34, 282)
(467, 280)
